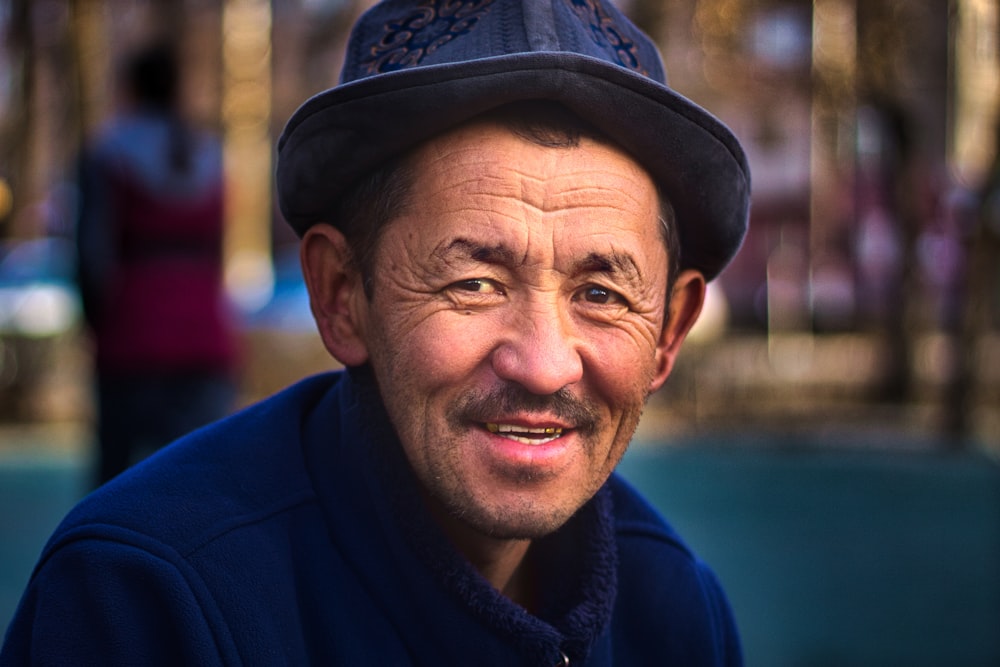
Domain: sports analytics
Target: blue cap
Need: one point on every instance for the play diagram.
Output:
(416, 69)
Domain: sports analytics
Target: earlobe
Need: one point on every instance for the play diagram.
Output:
(685, 304)
(335, 293)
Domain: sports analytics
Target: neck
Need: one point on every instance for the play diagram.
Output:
(500, 561)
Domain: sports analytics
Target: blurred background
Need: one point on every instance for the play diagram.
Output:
(829, 439)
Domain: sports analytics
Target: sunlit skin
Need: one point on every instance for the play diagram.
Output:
(518, 323)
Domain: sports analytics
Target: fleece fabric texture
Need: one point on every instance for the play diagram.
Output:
(293, 533)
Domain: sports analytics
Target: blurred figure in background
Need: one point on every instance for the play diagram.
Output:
(149, 240)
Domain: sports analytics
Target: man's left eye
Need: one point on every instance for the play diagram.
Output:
(601, 295)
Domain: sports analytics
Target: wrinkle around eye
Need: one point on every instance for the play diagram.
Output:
(475, 292)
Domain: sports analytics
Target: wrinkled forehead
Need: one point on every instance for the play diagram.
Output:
(487, 181)
(480, 154)
(546, 165)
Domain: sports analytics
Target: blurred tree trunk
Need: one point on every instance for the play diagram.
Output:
(903, 325)
(16, 135)
(170, 17)
(973, 310)
(886, 32)
(87, 39)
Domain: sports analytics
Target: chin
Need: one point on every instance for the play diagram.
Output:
(526, 520)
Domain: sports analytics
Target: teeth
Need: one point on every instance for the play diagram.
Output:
(526, 435)
(523, 430)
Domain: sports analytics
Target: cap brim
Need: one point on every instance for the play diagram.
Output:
(341, 134)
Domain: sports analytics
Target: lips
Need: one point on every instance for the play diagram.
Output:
(509, 412)
(527, 435)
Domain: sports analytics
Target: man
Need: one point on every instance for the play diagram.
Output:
(507, 230)
(149, 260)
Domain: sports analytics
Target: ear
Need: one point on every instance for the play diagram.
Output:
(683, 309)
(336, 295)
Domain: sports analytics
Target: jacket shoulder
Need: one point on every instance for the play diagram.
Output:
(240, 469)
(663, 587)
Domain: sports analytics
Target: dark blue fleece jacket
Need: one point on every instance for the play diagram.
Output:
(293, 533)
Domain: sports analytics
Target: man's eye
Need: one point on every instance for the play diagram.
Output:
(478, 285)
(601, 296)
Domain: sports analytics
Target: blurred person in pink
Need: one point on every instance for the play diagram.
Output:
(149, 241)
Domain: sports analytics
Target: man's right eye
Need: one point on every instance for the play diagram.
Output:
(478, 285)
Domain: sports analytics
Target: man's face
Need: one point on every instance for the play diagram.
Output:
(516, 324)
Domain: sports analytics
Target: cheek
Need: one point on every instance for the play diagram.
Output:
(441, 348)
(623, 361)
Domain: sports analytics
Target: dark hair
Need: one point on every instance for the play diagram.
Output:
(377, 199)
(367, 208)
(151, 76)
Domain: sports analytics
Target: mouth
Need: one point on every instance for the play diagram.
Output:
(526, 434)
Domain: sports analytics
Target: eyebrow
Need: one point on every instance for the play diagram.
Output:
(613, 263)
(489, 254)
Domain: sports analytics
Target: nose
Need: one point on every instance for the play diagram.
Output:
(540, 351)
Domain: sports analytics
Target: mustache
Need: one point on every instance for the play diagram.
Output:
(506, 399)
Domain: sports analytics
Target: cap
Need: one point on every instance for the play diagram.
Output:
(415, 69)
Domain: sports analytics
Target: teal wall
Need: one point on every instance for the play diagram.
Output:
(837, 558)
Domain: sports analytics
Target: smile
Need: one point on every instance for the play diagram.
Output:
(525, 434)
